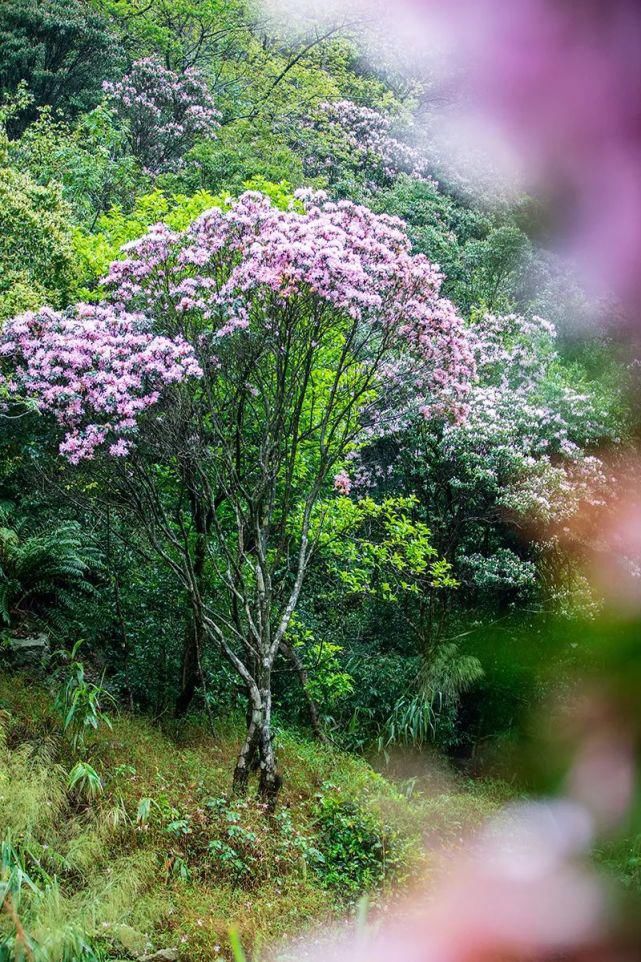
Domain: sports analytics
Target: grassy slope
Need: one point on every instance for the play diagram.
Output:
(131, 885)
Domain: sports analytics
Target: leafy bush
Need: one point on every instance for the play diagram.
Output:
(429, 714)
(80, 701)
(249, 850)
(41, 570)
(84, 781)
(37, 262)
(358, 851)
(89, 158)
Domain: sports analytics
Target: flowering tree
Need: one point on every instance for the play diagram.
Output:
(273, 337)
(501, 491)
(527, 422)
(521, 458)
(362, 139)
(166, 112)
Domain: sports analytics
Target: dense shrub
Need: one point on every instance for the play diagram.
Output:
(358, 851)
(36, 253)
(62, 49)
(89, 158)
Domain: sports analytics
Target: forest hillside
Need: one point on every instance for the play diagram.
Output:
(318, 524)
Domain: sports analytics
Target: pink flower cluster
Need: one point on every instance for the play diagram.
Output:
(528, 431)
(166, 112)
(96, 369)
(342, 483)
(367, 134)
(176, 296)
(228, 267)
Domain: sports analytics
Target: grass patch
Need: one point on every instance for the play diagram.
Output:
(162, 857)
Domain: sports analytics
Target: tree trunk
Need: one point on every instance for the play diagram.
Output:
(258, 745)
(247, 754)
(312, 709)
(189, 671)
(194, 632)
(270, 781)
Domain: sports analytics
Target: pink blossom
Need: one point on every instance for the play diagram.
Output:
(352, 260)
(342, 482)
(177, 296)
(367, 137)
(96, 369)
(166, 112)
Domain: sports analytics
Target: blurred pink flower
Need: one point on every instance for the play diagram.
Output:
(605, 535)
(524, 891)
(563, 81)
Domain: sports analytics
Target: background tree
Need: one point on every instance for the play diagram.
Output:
(37, 261)
(89, 158)
(165, 112)
(62, 49)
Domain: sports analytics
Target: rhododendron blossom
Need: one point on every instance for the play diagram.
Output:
(177, 296)
(96, 369)
(523, 455)
(527, 429)
(366, 136)
(166, 112)
(342, 255)
(342, 482)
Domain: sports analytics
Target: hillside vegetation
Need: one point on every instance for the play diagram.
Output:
(309, 469)
(161, 856)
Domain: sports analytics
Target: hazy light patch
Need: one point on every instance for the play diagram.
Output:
(530, 95)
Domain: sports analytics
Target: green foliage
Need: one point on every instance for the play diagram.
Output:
(84, 781)
(33, 792)
(379, 548)
(11, 105)
(378, 678)
(247, 850)
(96, 249)
(89, 159)
(429, 714)
(358, 853)
(41, 570)
(327, 681)
(37, 264)
(13, 874)
(31, 786)
(61, 48)
(491, 266)
(482, 252)
(185, 33)
(248, 151)
(80, 703)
